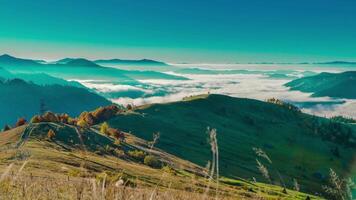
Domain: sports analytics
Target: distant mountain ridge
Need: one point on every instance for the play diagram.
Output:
(10, 60)
(37, 78)
(77, 62)
(132, 62)
(339, 85)
(336, 63)
(72, 68)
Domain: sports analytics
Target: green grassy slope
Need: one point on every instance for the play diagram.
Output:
(74, 157)
(300, 146)
(340, 85)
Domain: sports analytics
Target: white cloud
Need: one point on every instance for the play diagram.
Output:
(254, 86)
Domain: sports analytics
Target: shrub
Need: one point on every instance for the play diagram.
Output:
(104, 128)
(152, 161)
(169, 170)
(50, 117)
(82, 123)
(72, 121)
(20, 122)
(99, 115)
(104, 113)
(64, 118)
(6, 128)
(138, 155)
(129, 107)
(51, 134)
(117, 134)
(36, 119)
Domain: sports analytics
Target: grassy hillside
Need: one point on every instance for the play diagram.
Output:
(83, 164)
(341, 85)
(23, 99)
(301, 146)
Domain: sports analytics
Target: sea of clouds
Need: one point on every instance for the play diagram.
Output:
(242, 85)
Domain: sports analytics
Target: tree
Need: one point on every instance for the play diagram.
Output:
(82, 123)
(152, 161)
(117, 134)
(51, 134)
(129, 107)
(104, 128)
(20, 122)
(6, 128)
(50, 117)
(36, 119)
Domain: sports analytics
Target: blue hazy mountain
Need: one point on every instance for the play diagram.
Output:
(340, 85)
(132, 62)
(10, 60)
(77, 62)
(80, 69)
(336, 63)
(37, 78)
(22, 99)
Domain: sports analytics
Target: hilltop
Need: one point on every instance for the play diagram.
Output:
(310, 144)
(340, 85)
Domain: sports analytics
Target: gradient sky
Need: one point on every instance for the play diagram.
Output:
(220, 31)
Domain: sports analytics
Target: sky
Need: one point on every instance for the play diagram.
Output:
(197, 31)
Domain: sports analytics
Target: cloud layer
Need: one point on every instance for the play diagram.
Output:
(255, 86)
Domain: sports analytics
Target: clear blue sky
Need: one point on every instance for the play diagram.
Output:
(181, 30)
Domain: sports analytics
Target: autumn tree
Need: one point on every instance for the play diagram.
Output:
(20, 122)
(104, 128)
(6, 128)
(36, 119)
(51, 134)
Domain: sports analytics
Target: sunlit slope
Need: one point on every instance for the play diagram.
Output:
(301, 146)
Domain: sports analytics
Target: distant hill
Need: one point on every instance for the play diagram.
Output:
(70, 68)
(336, 63)
(301, 146)
(10, 60)
(22, 99)
(340, 85)
(131, 62)
(77, 62)
(37, 78)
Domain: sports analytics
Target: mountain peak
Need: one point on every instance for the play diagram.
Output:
(11, 60)
(7, 57)
(82, 62)
(77, 62)
(132, 62)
